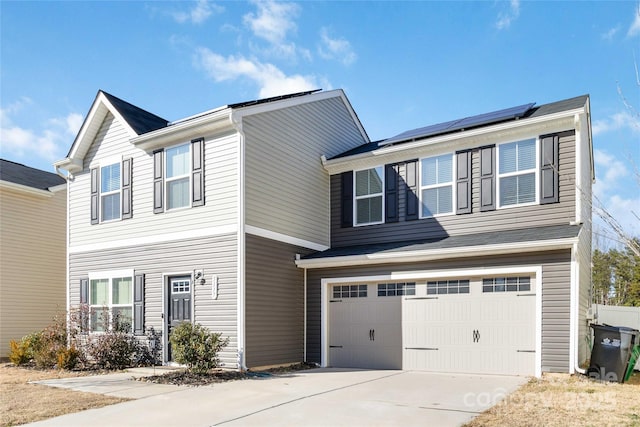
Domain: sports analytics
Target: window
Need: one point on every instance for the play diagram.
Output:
(350, 291)
(369, 186)
(111, 302)
(506, 284)
(396, 289)
(178, 172)
(110, 191)
(436, 185)
(443, 287)
(517, 172)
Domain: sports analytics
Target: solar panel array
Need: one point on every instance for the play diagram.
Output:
(465, 123)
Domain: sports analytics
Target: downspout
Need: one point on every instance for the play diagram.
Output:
(575, 307)
(304, 343)
(240, 315)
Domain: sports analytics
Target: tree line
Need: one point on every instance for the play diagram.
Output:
(616, 276)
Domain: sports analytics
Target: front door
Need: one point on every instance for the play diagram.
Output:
(179, 304)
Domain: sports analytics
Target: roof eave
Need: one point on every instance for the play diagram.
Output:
(559, 119)
(8, 185)
(437, 254)
(217, 121)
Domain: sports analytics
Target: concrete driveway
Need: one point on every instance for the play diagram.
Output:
(318, 397)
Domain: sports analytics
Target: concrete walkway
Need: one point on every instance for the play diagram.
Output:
(318, 397)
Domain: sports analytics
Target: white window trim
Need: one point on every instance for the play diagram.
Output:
(110, 275)
(110, 193)
(368, 196)
(535, 169)
(454, 170)
(167, 180)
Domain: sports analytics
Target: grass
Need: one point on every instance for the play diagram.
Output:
(566, 400)
(21, 402)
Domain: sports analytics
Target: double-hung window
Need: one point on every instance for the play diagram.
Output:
(178, 173)
(436, 185)
(110, 191)
(517, 172)
(369, 187)
(111, 301)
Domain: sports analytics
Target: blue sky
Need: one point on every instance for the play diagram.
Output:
(402, 64)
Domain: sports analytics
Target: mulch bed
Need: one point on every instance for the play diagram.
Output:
(186, 378)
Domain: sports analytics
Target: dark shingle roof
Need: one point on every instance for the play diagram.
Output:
(28, 176)
(272, 99)
(469, 240)
(141, 121)
(542, 110)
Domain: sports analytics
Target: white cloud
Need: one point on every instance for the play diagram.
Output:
(199, 13)
(336, 48)
(634, 29)
(505, 18)
(48, 143)
(617, 121)
(609, 35)
(273, 20)
(271, 80)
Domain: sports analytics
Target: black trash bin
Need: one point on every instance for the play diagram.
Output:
(611, 350)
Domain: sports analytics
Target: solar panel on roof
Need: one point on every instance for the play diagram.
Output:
(465, 123)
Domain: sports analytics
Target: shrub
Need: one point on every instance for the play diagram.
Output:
(114, 350)
(68, 358)
(18, 354)
(195, 346)
(47, 344)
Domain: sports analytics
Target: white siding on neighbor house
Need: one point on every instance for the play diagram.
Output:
(219, 212)
(286, 186)
(32, 262)
(213, 255)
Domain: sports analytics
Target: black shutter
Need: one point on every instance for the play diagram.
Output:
(549, 178)
(412, 200)
(126, 188)
(84, 291)
(391, 193)
(138, 305)
(463, 182)
(197, 156)
(488, 178)
(346, 199)
(158, 184)
(95, 196)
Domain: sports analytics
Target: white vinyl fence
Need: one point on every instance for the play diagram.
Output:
(616, 315)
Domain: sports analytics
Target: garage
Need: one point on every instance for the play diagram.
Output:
(482, 324)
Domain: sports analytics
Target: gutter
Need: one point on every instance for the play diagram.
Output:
(435, 254)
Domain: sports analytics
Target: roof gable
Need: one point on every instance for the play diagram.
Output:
(27, 176)
(135, 120)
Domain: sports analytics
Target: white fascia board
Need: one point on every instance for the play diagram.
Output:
(25, 189)
(182, 130)
(284, 238)
(58, 188)
(460, 140)
(436, 254)
(71, 165)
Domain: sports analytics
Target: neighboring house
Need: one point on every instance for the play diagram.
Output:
(460, 247)
(33, 236)
(201, 219)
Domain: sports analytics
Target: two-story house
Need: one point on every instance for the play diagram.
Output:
(33, 229)
(460, 247)
(201, 219)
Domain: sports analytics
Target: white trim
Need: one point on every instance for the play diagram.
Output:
(156, 238)
(434, 254)
(166, 180)
(368, 196)
(272, 235)
(25, 189)
(325, 283)
(535, 170)
(573, 311)
(452, 184)
(109, 274)
(236, 121)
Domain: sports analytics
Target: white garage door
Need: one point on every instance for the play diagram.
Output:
(484, 325)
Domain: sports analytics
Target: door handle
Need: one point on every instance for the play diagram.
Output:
(476, 335)
(370, 334)
(373, 335)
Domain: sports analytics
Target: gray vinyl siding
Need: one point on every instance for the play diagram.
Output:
(556, 291)
(584, 293)
(274, 303)
(454, 225)
(221, 177)
(284, 176)
(214, 255)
